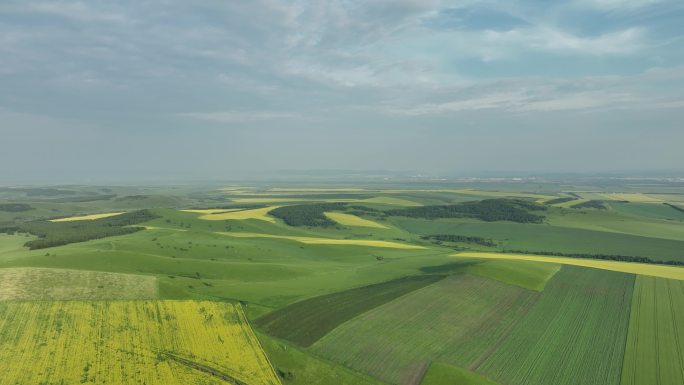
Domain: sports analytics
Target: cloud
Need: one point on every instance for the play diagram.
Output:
(239, 116)
(618, 4)
(599, 94)
(550, 39)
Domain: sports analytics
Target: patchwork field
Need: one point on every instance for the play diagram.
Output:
(346, 284)
(129, 342)
(33, 283)
(329, 241)
(353, 220)
(307, 321)
(656, 334)
(663, 271)
(455, 321)
(575, 334)
(261, 214)
(86, 217)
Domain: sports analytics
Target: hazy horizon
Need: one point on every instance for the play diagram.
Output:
(168, 90)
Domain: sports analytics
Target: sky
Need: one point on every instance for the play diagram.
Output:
(155, 89)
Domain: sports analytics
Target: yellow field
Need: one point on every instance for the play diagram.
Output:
(328, 241)
(662, 271)
(261, 214)
(638, 198)
(129, 342)
(209, 211)
(353, 220)
(391, 201)
(285, 200)
(36, 283)
(86, 217)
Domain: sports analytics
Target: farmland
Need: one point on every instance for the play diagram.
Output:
(124, 342)
(368, 285)
(86, 217)
(437, 323)
(574, 334)
(305, 322)
(655, 342)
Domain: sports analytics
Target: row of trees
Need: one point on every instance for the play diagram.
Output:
(460, 238)
(489, 210)
(609, 257)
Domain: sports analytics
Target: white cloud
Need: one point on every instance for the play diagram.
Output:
(551, 39)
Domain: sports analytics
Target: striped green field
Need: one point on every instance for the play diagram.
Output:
(655, 344)
(306, 321)
(443, 374)
(530, 275)
(574, 335)
(455, 321)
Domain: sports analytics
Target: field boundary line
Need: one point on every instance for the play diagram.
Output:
(253, 336)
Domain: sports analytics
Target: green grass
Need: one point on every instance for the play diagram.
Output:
(443, 374)
(530, 275)
(575, 334)
(297, 367)
(656, 334)
(455, 321)
(307, 321)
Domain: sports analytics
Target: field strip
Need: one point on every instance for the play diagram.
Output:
(210, 211)
(353, 220)
(260, 213)
(286, 200)
(328, 241)
(663, 271)
(572, 203)
(632, 197)
(87, 217)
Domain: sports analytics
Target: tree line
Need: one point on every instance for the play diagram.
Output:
(608, 257)
(514, 210)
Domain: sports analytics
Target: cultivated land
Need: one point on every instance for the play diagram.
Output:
(574, 334)
(673, 272)
(656, 337)
(479, 282)
(86, 217)
(353, 220)
(121, 342)
(455, 320)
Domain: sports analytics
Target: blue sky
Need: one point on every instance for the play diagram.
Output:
(222, 88)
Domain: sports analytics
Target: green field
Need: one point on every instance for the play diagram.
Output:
(529, 275)
(656, 333)
(574, 334)
(442, 374)
(307, 321)
(456, 321)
